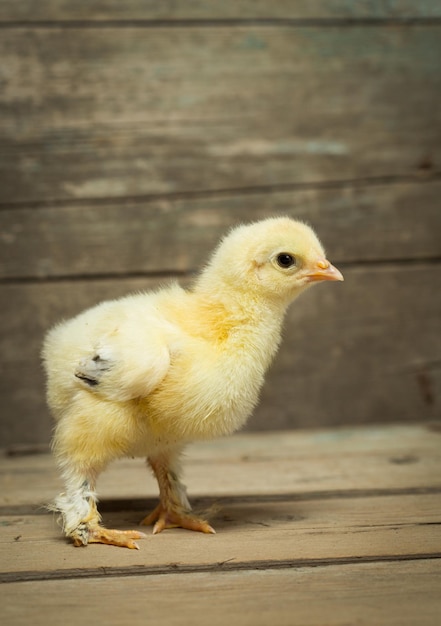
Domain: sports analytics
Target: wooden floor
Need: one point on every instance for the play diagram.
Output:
(325, 527)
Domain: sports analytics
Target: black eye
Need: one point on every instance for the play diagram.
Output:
(285, 260)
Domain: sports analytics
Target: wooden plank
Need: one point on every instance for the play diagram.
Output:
(347, 357)
(356, 545)
(247, 534)
(385, 594)
(341, 462)
(278, 497)
(93, 113)
(48, 10)
(356, 223)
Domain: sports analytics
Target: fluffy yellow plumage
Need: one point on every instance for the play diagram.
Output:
(146, 374)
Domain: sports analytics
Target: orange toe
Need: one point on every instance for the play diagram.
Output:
(172, 518)
(122, 538)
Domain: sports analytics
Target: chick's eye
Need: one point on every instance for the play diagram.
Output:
(285, 260)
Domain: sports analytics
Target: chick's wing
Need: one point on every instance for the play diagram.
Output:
(127, 360)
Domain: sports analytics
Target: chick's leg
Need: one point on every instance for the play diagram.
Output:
(174, 510)
(80, 517)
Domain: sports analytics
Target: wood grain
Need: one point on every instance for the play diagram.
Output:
(52, 10)
(352, 353)
(275, 466)
(247, 536)
(131, 128)
(93, 113)
(399, 594)
(369, 558)
(277, 498)
(171, 235)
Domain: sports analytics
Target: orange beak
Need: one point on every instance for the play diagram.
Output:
(323, 270)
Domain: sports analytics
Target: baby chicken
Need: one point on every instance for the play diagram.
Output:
(148, 373)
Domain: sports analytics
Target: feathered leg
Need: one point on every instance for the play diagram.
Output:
(174, 510)
(80, 517)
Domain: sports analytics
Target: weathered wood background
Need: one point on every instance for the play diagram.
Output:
(133, 134)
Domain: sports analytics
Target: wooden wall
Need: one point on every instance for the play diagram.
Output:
(134, 133)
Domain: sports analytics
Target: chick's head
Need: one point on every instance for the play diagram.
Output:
(275, 259)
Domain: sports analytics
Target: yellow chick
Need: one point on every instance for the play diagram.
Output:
(148, 373)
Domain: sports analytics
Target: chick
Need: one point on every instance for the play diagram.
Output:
(148, 373)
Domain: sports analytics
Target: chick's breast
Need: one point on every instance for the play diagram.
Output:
(208, 391)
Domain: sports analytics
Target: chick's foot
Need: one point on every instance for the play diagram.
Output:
(122, 538)
(163, 518)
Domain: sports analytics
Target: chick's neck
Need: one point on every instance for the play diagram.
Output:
(234, 313)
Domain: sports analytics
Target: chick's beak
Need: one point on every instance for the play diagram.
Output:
(323, 270)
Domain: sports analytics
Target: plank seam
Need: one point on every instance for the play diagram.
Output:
(417, 262)
(329, 22)
(223, 566)
(374, 181)
(140, 504)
